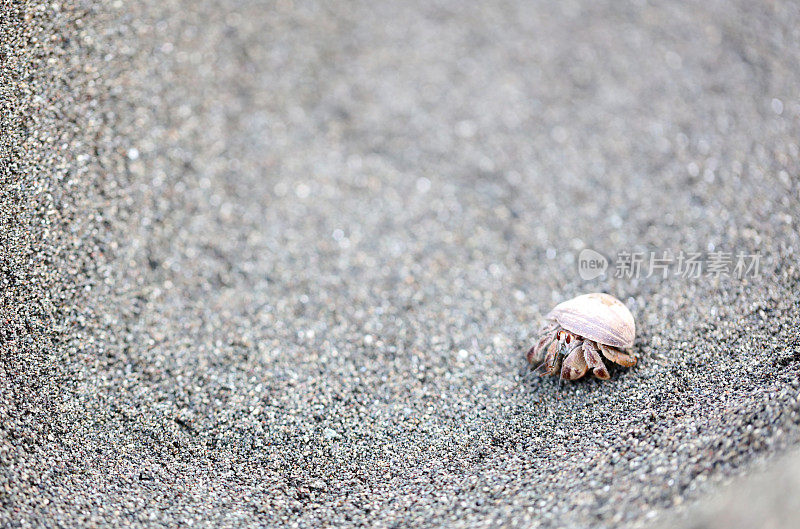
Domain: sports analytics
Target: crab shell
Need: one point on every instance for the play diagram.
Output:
(598, 317)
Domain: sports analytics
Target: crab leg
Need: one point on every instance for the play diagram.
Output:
(550, 364)
(546, 337)
(617, 356)
(574, 365)
(594, 361)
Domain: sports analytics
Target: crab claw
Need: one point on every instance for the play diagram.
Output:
(594, 361)
(574, 365)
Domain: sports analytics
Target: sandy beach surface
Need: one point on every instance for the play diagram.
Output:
(277, 263)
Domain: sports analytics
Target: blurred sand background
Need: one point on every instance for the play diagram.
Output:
(277, 263)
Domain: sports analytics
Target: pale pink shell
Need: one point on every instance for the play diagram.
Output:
(598, 317)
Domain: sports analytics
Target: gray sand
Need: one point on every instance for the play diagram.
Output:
(767, 500)
(277, 263)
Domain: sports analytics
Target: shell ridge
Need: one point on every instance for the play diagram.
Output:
(594, 316)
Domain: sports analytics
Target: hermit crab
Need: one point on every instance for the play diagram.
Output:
(581, 330)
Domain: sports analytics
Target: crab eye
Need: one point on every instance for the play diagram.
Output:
(569, 338)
